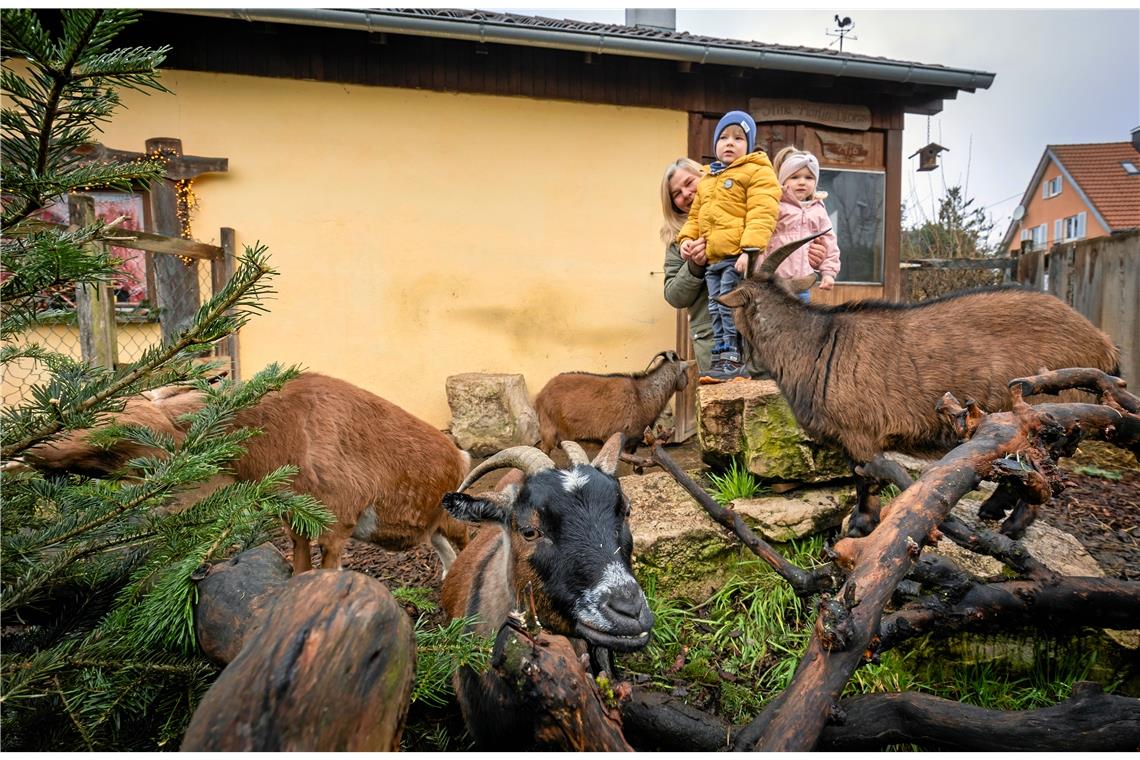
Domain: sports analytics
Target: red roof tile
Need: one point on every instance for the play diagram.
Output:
(1096, 168)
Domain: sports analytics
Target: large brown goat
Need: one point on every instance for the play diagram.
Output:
(560, 537)
(381, 471)
(866, 376)
(580, 406)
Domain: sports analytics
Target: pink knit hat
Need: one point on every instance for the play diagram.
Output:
(796, 161)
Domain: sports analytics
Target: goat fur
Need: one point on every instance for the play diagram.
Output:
(581, 406)
(381, 471)
(866, 376)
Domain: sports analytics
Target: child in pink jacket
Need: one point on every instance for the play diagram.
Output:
(801, 214)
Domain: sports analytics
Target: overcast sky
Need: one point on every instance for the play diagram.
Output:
(1063, 76)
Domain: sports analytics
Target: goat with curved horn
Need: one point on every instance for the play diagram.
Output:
(565, 535)
(776, 257)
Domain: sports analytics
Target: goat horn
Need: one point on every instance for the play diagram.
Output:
(527, 458)
(576, 453)
(776, 258)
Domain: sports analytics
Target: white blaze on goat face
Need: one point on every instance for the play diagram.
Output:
(588, 607)
(574, 479)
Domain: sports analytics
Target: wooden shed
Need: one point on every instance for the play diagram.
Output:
(582, 117)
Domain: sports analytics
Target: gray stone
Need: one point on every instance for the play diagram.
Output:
(691, 552)
(750, 421)
(490, 412)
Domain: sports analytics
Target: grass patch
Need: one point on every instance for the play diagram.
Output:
(734, 483)
(1097, 472)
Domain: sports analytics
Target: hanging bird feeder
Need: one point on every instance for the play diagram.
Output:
(928, 157)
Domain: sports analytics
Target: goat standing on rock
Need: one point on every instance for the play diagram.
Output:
(565, 535)
(580, 406)
(866, 376)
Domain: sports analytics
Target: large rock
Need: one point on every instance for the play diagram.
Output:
(490, 412)
(750, 421)
(689, 552)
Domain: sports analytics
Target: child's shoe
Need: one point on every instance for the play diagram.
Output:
(731, 367)
(714, 373)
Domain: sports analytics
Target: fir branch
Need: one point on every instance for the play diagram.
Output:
(212, 322)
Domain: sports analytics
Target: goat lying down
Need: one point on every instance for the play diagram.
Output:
(563, 533)
(381, 471)
(866, 376)
(580, 406)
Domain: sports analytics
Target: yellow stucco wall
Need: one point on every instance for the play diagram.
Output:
(423, 234)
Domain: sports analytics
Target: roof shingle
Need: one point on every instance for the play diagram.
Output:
(1097, 169)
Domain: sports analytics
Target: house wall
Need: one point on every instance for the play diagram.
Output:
(375, 201)
(1046, 211)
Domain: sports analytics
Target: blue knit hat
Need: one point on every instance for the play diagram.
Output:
(740, 119)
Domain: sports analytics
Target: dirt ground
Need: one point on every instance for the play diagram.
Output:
(1102, 513)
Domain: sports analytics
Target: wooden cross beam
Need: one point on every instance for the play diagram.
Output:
(178, 166)
(175, 281)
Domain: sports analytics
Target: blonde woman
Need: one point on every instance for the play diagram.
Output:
(685, 277)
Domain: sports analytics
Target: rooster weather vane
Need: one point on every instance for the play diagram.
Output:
(845, 25)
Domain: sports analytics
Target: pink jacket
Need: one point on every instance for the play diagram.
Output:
(798, 221)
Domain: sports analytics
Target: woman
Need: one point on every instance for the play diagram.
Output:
(685, 278)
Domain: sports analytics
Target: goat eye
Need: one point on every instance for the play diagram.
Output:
(530, 534)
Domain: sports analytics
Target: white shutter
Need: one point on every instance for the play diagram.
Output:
(1081, 225)
(1058, 230)
(1045, 189)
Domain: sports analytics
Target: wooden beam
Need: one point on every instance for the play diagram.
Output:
(994, 262)
(94, 303)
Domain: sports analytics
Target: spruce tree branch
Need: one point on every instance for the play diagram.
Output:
(191, 337)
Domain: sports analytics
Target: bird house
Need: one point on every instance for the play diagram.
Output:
(928, 157)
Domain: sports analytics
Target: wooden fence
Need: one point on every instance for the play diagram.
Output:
(1100, 278)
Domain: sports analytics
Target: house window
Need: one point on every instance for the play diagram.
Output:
(1039, 235)
(1072, 227)
(1052, 187)
(856, 203)
(1129, 167)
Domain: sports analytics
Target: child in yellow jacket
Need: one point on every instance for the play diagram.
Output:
(736, 207)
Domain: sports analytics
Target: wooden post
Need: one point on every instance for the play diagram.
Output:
(685, 400)
(221, 270)
(94, 304)
(177, 280)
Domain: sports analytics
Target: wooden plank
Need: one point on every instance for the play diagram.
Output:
(843, 293)
(995, 262)
(229, 345)
(152, 243)
(685, 400)
(892, 221)
(178, 296)
(94, 304)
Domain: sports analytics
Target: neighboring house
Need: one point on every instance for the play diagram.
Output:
(449, 191)
(1079, 191)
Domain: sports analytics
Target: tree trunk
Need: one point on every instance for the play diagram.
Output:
(328, 666)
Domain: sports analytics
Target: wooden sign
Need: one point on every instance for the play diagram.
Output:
(840, 147)
(828, 114)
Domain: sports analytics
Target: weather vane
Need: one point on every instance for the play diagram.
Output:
(845, 25)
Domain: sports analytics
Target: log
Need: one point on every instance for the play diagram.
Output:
(232, 597)
(329, 668)
(846, 625)
(1088, 720)
(1063, 604)
(550, 678)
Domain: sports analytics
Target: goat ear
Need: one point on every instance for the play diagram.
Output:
(493, 506)
(737, 297)
(796, 285)
(607, 459)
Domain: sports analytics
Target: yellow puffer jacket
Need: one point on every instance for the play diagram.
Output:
(735, 209)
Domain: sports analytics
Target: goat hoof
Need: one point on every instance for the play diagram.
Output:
(991, 512)
(1013, 530)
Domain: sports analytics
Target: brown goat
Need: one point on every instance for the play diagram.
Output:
(580, 406)
(378, 469)
(866, 376)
